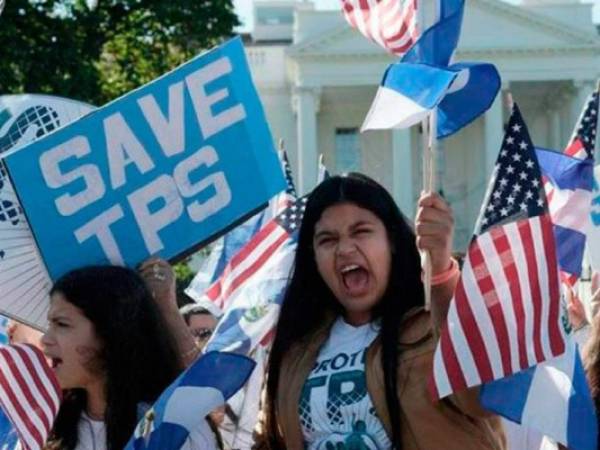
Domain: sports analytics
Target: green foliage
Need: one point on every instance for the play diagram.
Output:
(62, 47)
(183, 278)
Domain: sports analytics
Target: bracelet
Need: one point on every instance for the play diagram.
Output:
(581, 327)
(447, 274)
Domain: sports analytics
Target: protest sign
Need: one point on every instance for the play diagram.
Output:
(157, 172)
(24, 281)
(27, 117)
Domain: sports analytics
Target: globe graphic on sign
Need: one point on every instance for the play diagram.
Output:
(24, 281)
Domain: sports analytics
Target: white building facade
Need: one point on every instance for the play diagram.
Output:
(317, 78)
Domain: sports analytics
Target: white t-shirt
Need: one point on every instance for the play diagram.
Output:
(92, 436)
(91, 433)
(522, 438)
(336, 411)
(246, 405)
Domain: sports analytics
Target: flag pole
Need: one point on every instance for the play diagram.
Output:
(429, 143)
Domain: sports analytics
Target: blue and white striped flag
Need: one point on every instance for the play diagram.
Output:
(183, 406)
(552, 398)
(425, 79)
(568, 183)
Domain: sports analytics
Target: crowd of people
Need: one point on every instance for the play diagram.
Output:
(350, 359)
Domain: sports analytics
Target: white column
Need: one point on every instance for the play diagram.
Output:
(555, 134)
(565, 118)
(402, 171)
(494, 133)
(306, 103)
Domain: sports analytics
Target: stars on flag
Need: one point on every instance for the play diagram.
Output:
(517, 187)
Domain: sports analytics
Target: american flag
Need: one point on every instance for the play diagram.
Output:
(583, 141)
(283, 200)
(390, 23)
(252, 286)
(505, 314)
(233, 242)
(29, 393)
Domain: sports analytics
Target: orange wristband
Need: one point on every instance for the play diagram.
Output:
(447, 274)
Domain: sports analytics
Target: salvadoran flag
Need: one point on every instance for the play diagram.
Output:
(254, 307)
(424, 80)
(182, 407)
(552, 398)
(569, 191)
(225, 248)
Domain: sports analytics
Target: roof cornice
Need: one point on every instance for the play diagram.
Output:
(462, 54)
(541, 21)
(311, 48)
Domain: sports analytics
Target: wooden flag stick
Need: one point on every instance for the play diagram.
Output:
(429, 146)
(429, 185)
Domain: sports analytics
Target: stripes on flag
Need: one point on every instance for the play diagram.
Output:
(229, 247)
(504, 264)
(568, 180)
(253, 255)
(252, 286)
(29, 393)
(246, 263)
(583, 140)
(390, 23)
(552, 398)
(505, 315)
(179, 412)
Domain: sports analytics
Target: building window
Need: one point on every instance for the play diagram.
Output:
(274, 16)
(347, 150)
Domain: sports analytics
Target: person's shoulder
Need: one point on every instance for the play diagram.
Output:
(201, 438)
(415, 327)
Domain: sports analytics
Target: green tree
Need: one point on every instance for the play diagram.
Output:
(63, 47)
(183, 277)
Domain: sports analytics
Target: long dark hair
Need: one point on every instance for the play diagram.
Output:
(591, 361)
(138, 356)
(308, 302)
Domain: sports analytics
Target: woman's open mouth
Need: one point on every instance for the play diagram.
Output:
(355, 279)
(55, 362)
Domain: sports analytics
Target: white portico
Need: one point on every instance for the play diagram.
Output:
(317, 78)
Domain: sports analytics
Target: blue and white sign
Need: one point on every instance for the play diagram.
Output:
(156, 172)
